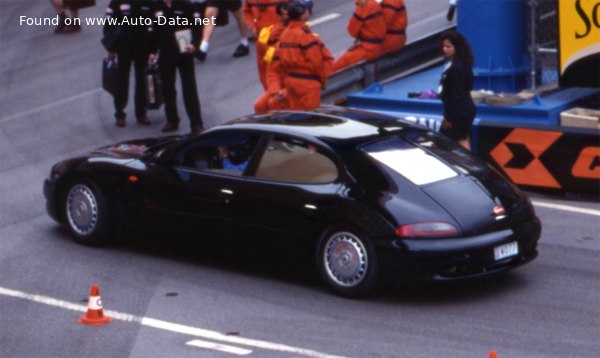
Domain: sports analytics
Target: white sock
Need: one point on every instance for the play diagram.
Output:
(204, 46)
(244, 42)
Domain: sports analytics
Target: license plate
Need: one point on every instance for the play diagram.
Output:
(506, 250)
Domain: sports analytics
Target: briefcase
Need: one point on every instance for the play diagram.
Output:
(154, 95)
(110, 76)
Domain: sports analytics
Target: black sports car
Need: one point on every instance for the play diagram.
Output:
(367, 192)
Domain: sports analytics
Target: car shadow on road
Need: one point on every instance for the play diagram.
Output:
(295, 265)
(277, 262)
(451, 292)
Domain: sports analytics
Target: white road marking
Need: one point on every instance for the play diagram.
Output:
(49, 105)
(169, 326)
(219, 347)
(322, 19)
(573, 209)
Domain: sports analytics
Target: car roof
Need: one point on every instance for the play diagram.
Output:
(333, 125)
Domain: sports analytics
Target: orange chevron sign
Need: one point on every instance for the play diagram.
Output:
(588, 164)
(518, 155)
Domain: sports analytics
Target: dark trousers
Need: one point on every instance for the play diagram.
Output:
(167, 68)
(139, 61)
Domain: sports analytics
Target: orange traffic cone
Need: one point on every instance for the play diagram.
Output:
(493, 354)
(94, 315)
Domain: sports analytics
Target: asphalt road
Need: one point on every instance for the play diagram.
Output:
(162, 296)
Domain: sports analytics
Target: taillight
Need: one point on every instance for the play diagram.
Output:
(499, 210)
(427, 229)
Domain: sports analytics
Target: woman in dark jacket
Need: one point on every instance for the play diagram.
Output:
(455, 88)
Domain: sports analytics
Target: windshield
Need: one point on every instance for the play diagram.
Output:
(413, 163)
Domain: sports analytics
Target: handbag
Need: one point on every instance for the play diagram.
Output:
(154, 94)
(110, 76)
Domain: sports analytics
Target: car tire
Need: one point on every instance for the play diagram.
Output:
(87, 214)
(347, 263)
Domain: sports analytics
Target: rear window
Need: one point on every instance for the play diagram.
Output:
(410, 161)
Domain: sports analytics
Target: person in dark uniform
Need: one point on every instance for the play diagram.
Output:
(455, 88)
(176, 38)
(131, 47)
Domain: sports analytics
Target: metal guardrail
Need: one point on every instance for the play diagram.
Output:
(415, 56)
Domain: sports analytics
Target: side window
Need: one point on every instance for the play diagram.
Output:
(225, 154)
(297, 162)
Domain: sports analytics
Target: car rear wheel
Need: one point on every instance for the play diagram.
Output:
(347, 263)
(87, 214)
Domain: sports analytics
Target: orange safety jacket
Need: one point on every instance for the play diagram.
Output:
(367, 24)
(396, 20)
(265, 47)
(303, 54)
(274, 76)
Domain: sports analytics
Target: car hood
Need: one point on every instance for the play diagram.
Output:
(134, 149)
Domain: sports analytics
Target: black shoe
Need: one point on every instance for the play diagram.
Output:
(200, 55)
(143, 120)
(170, 127)
(62, 26)
(120, 121)
(196, 128)
(241, 51)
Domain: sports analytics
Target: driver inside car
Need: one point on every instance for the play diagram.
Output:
(228, 164)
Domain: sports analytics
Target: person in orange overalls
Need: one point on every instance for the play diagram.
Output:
(396, 20)
(260, 14)
(274, 97)
(304, 59)
(367, 26)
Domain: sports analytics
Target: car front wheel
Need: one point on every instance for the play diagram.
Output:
(87, 214)
(347, 263)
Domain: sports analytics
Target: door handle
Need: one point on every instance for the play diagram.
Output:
(227, 191)
(311, 210)
(227, 195)
(310, 207)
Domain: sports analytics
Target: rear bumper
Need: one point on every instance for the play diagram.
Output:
(450, 259)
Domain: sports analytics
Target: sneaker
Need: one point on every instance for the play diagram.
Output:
(170, 127)
(241, 51)
(200, 55)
